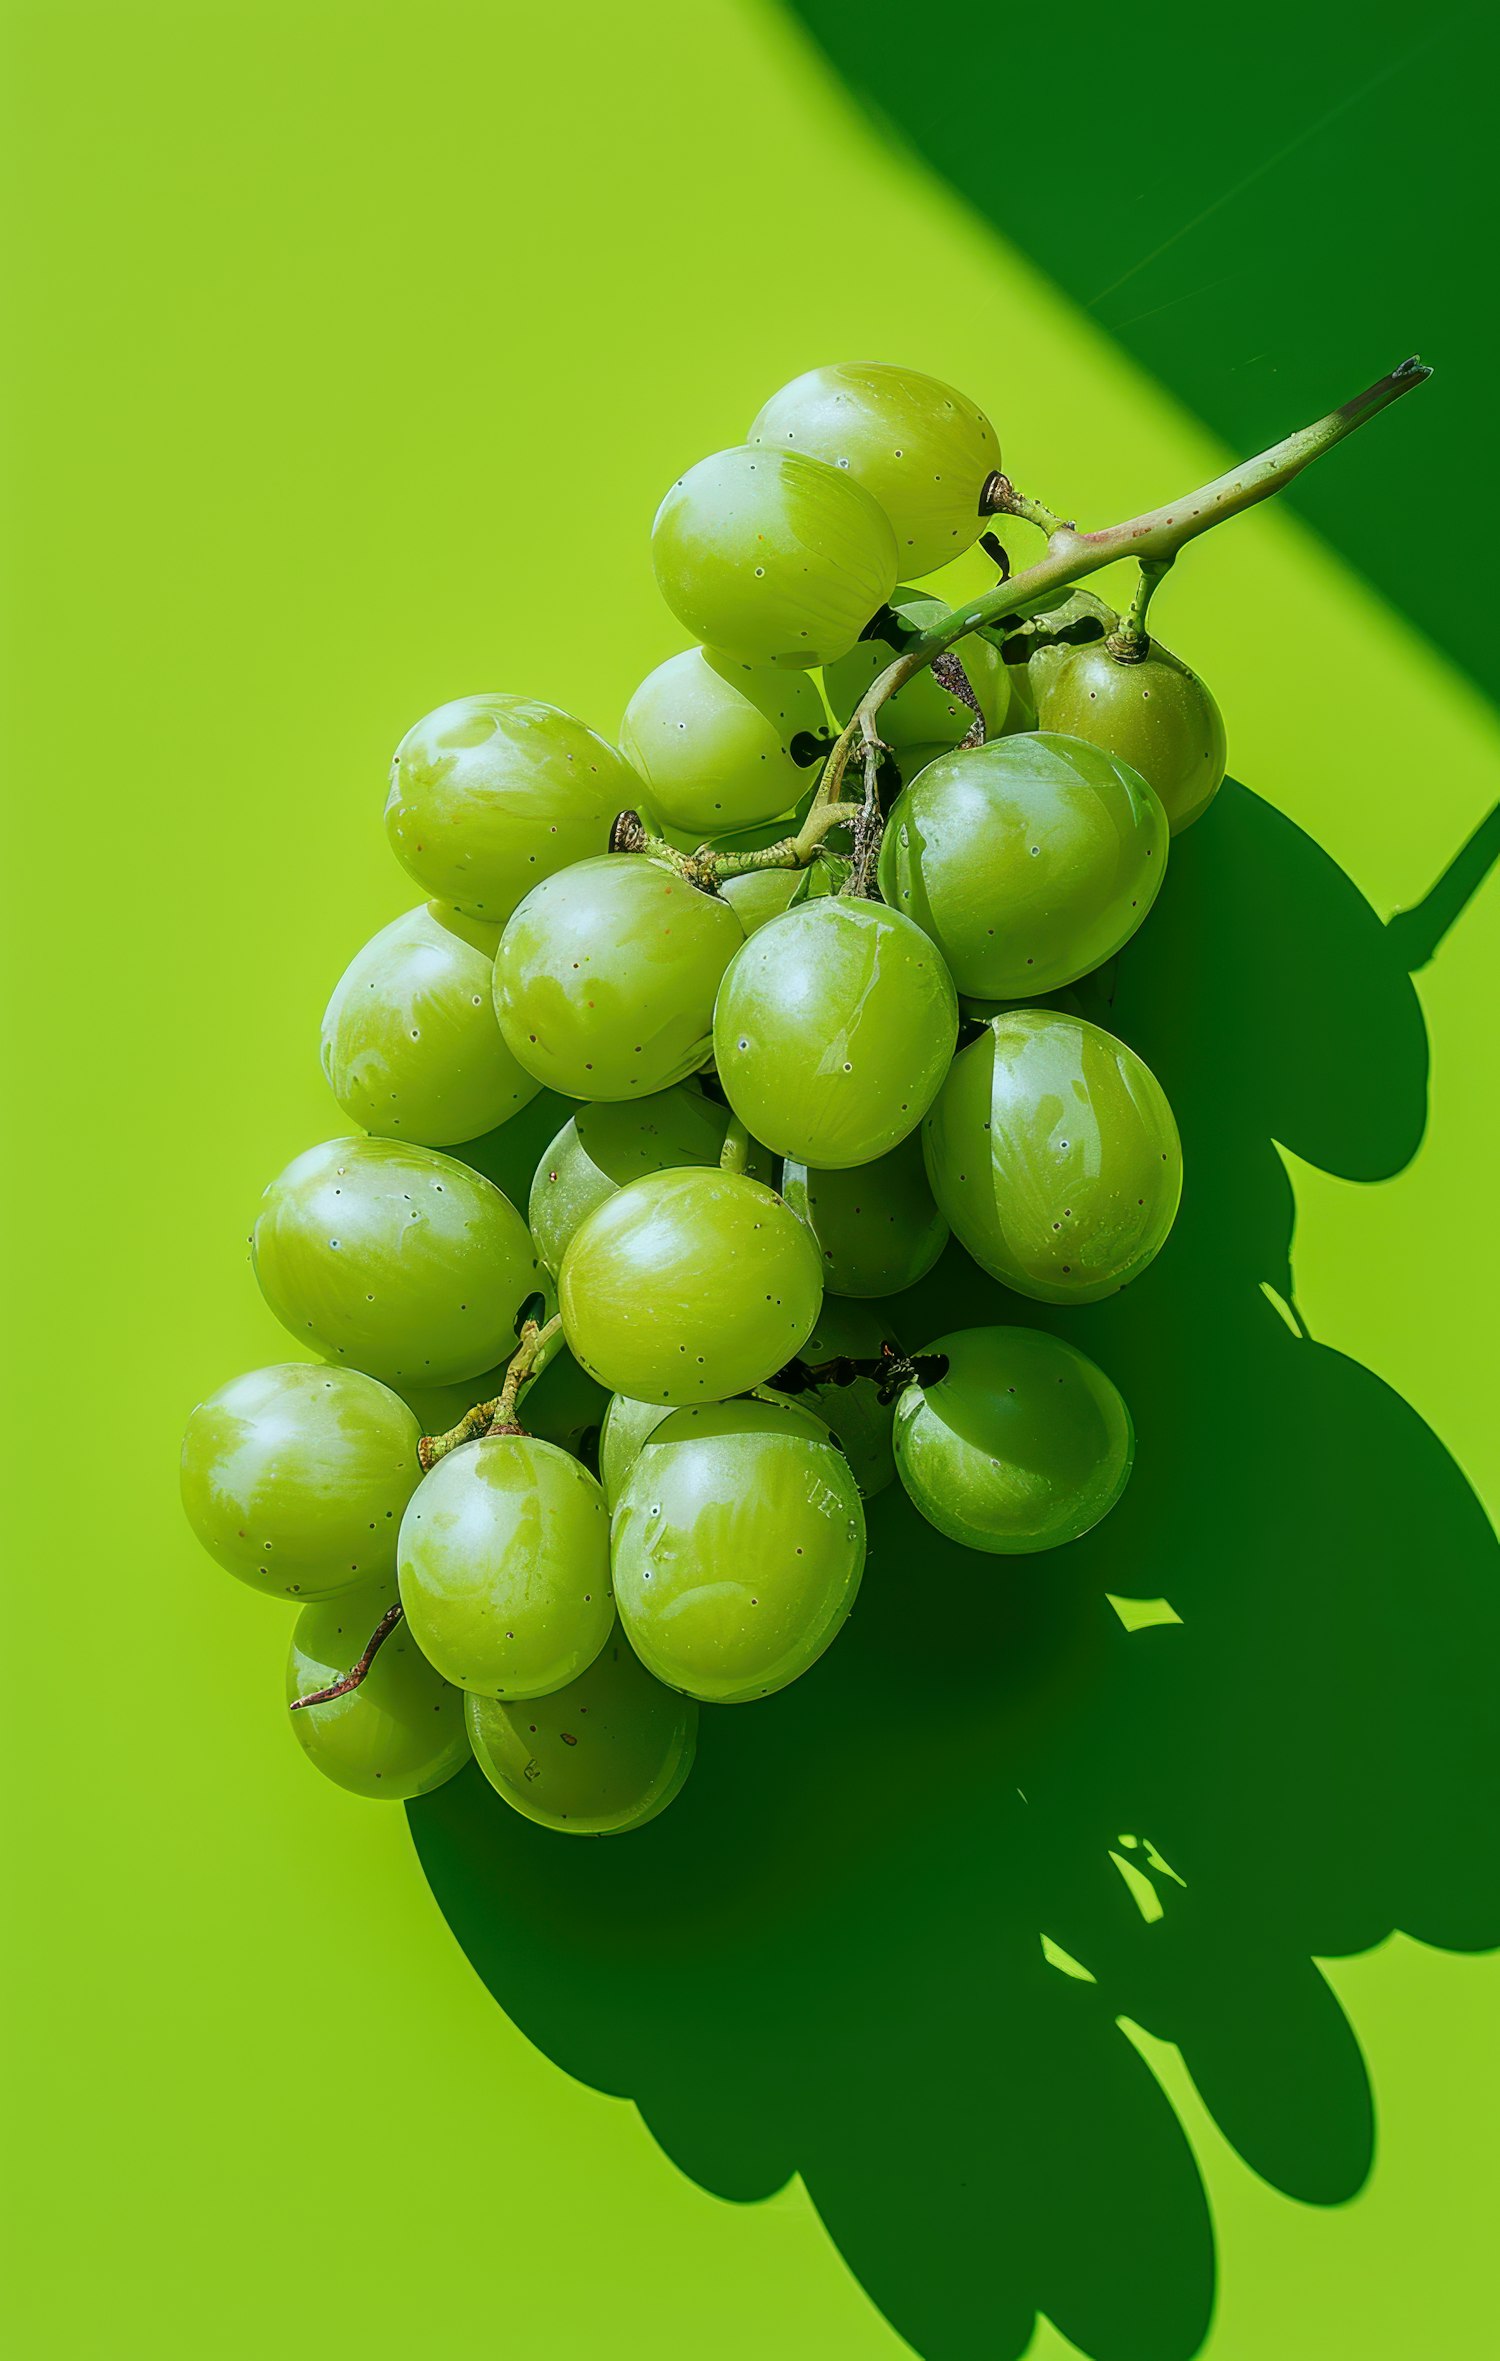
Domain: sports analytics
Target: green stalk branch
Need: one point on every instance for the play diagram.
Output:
(497, 1416)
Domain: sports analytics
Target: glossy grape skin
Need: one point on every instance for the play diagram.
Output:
(1053, 1152)
(401, 1732)
(761, 895)
(604, 1755)
(738, 1545)
(877, 1226)
(606, 976)
(924, 712)
(626, 1426)
(504, 1567)
(833, 1030)
(607, 1145)
(395, 1260)
(1029, 861)
(1156, 715)
(1022, 1446)
(918, 446)
(712, 737)
(295, 1478)
(411, 1047)
(491, 794)
(772, 557)
(859, 1422)
(689, 1286)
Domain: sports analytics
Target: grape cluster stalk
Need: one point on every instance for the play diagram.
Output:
(782, 986)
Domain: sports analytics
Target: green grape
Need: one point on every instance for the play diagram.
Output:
(1023, 1445)
(722, 744)
(411, 1048)
(401, 1732)
(294, 1478)
(395, 1260)
(1028, 861)
(1053, 1153)
(606, 975)
(689, 1286)
(928, 711)
(761, 894)
(603, 1755)
(772, 557)
(833, 1030)
(608, 1144)
(920, 448)
(876, 1225)
(1156, 715)
(491, 794)
(626, 1426)
(738, 1546)
(856, 1418)
(504, 1567)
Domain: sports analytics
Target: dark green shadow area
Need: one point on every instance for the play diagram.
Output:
(1266, 210)
(827, 1956)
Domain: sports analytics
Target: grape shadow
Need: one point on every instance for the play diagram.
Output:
(887, 1936)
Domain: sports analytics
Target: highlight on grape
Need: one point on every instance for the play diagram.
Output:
(795, 956)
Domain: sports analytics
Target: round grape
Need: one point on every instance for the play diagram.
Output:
(722, 744)
(834, 1027)
(626, 1426)
(605, 1146)
(1023, 1445)
(772, 557)
(689, 1286)
(491, 794)
(761, 895)
(603, 1755)
(295, 1477)
(1155, 715)
(401, 1732)
(877, 1226)
(1028, 861)
(929, 711)
(606, 975)
(919, 447)
(504, 1567)
(738, 1546)
(395, 1260)
(1053, 1153)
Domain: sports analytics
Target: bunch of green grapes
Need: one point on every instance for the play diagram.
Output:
(657, 1366)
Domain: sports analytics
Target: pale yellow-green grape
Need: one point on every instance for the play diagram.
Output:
(738, 1546)
(772, 557)
(722, 744)
(401, 1732)
(491, 794)
(921, 448)
(411, 1045)
(395, 1260)
(602, 1756)
(688, 1287)
(613, 1142)
(626, 1426)
(930, 710)
(605, 977)
(761, 894)
(504, 1567)
(1155, 714)
(295, 1478)
(877, 1226)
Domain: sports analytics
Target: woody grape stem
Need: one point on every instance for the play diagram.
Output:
(393, 1615)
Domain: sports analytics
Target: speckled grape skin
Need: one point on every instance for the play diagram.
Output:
(1023, 1446)
(398, 1735)
(295, 1478)
(772, 557)
(738, 1546)
(833, 1030)
(712, 738)
(926, 712)
(688, 1287)
(877, 1226)
(504, 1567)
(920, 447)
(411, 1046)
(1028, 860)
(395, 1260)
(493, 793)
(606, 1146)
(605, 978)
(1053, 1153)
(1157, 715)
(602, 1756)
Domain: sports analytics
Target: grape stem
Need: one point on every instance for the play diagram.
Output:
(736, 1148)
(498, 1415)
(708, 869)
(891, 1372)
(1131, 643)
(393, 1615)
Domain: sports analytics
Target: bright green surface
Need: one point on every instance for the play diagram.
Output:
(346, 376)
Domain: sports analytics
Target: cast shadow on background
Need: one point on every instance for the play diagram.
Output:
(828, 1957)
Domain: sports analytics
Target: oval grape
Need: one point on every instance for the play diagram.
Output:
(398, 1735)
(602, 1756)
(1156, 715)
(877, 1226)
(611, 1143)
(722, 744)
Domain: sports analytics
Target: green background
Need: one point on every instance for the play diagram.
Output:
(355, 347)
